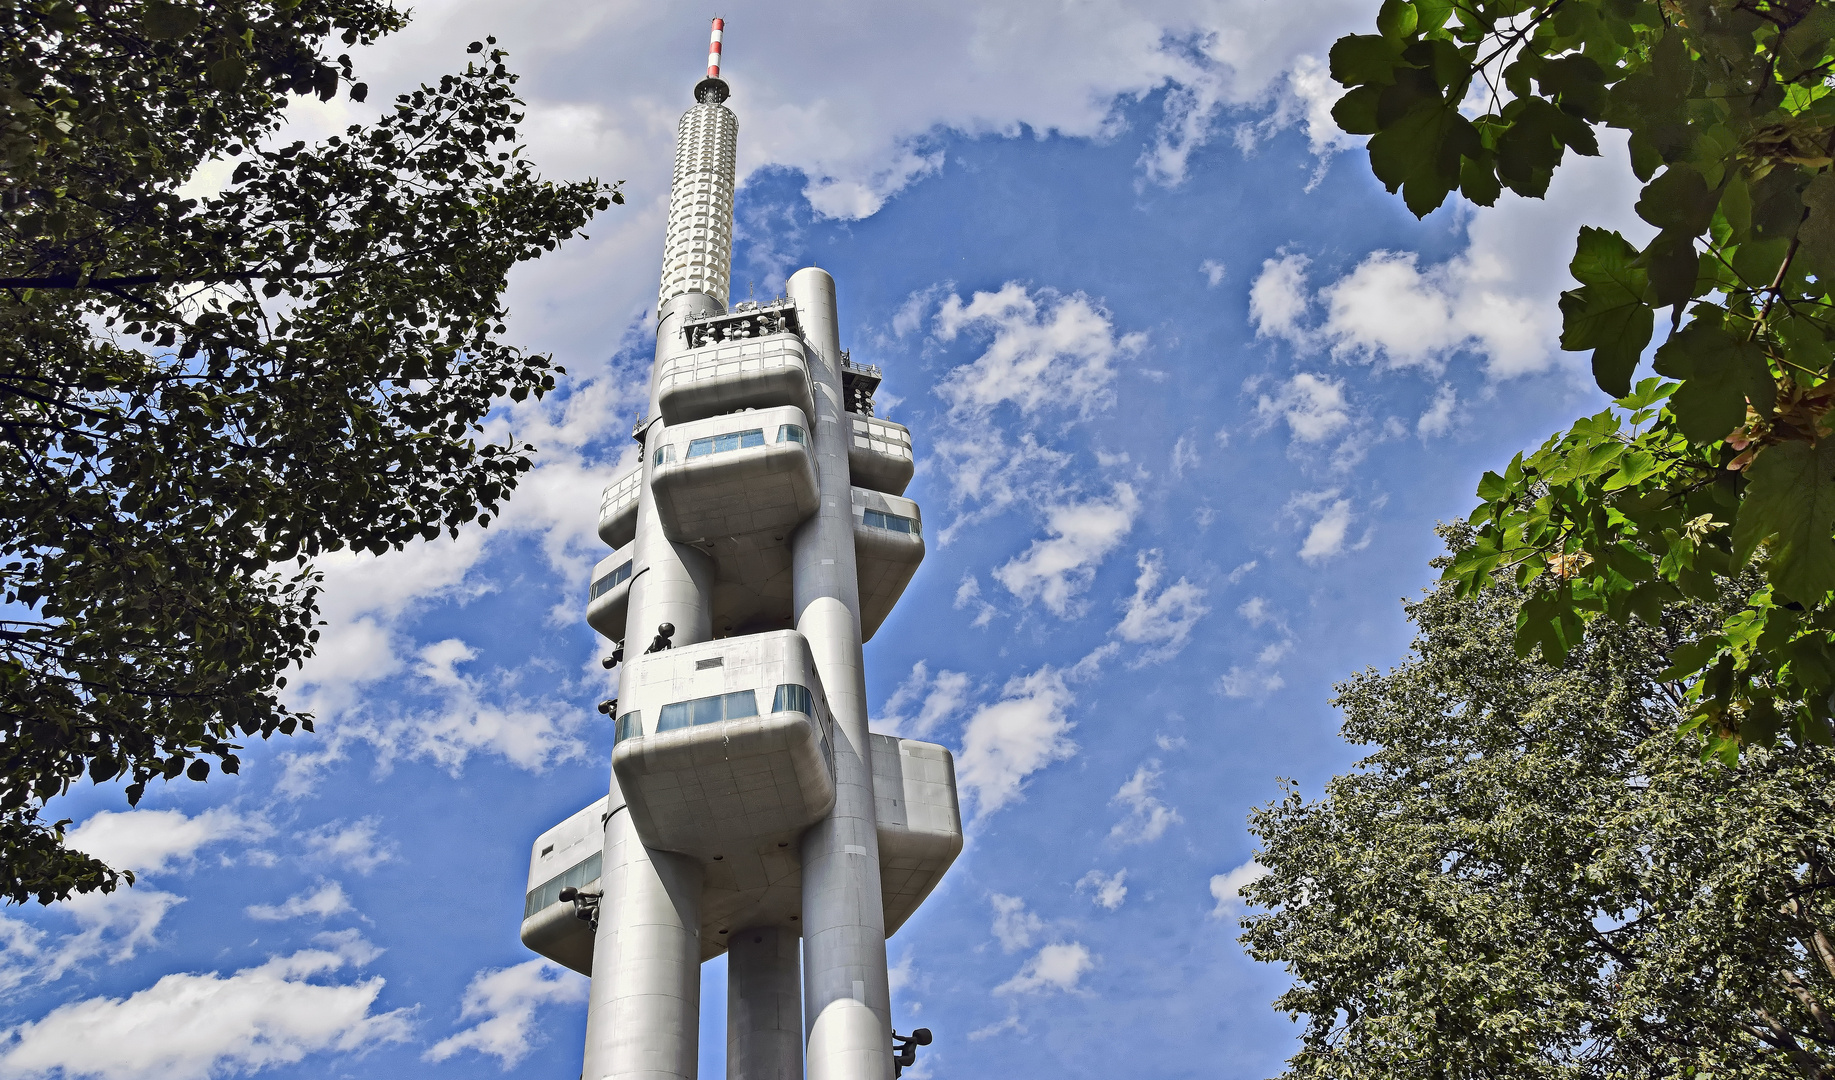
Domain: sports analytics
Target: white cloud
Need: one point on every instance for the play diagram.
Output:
(1058, 966)
(1241, 682)
(1225, 886)
(1184, 455)
(159, 841)
(1011, 1023)
(1278, 298)
(968, 593)
(1106, 891)
(321, 903)
(355, 846)
(1213, 272)
(1148, 817)
(1243, 570)
(900, 975)
(1311, 83)
(1008, 740)
(1314, 406)
(1260, 680)
(1331, 522)
(1495, 299)
(1165, 621)
(1014, 926)
(1045, 350)
(113, 925)
(1256, 610)
(507, 999)
(472, 716)
(935, 698)
(191, 1027)
(1056, 571)
(1438, 419)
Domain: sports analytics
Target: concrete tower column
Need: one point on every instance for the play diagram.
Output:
(764, 1005)
(847, 1003)
(644, 1013)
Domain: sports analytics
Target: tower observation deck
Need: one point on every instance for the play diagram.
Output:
(761, 539)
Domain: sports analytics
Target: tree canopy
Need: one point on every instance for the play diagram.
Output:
(1726, 460)
(1531, 877)
(201, 392)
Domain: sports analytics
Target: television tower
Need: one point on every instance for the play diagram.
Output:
(760, 540)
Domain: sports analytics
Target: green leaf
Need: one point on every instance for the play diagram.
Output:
(1478, 178)
(166, 22)
(1365, 59)
(1817, 233)
(1577, 82)
(1608, 313)
(1431, 15)
(1645, 159)
(1356, 111)
(1719, 371)
(1790, 500)
(1421, 151)
(1673, 268)
(1396, 19)
(1678, 200)
(228, 73)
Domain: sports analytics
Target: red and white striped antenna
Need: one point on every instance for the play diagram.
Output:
(713, 48)
(713, 89)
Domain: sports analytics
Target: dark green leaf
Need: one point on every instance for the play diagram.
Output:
(1790, 500)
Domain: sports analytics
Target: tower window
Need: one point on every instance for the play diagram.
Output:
(708, 710)
(892, 523)
(793, 698)
(630, 724)
(720, 444)
(611, 581)
(665, 454)
(792, 433)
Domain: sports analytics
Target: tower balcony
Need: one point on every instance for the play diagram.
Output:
(920, 835)
(618, 509)
(920, 821)
(726, 376)
(724, 745)
(879, 455)
(735, 475)
(611, 594)
(569, 854)
(888, 546)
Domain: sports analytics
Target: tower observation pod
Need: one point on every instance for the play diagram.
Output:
(761, 539)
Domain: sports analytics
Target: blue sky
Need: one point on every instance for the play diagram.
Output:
(1189, 392)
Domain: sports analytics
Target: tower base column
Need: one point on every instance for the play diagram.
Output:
(644, 1018)
(764, 1005)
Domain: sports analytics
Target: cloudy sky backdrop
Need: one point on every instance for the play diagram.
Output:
(1189, 393)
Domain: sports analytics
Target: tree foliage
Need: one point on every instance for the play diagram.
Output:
(1731, 120)
(200, 393)
(1530, 877)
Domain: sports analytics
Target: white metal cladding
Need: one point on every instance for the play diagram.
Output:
(751, 374)
(879, 457)
(698, 243)
(618, 509)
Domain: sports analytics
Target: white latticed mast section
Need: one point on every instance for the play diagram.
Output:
(698, 248)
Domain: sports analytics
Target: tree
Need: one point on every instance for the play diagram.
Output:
(1530, 876)
(200, 393)
(1731, 120)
